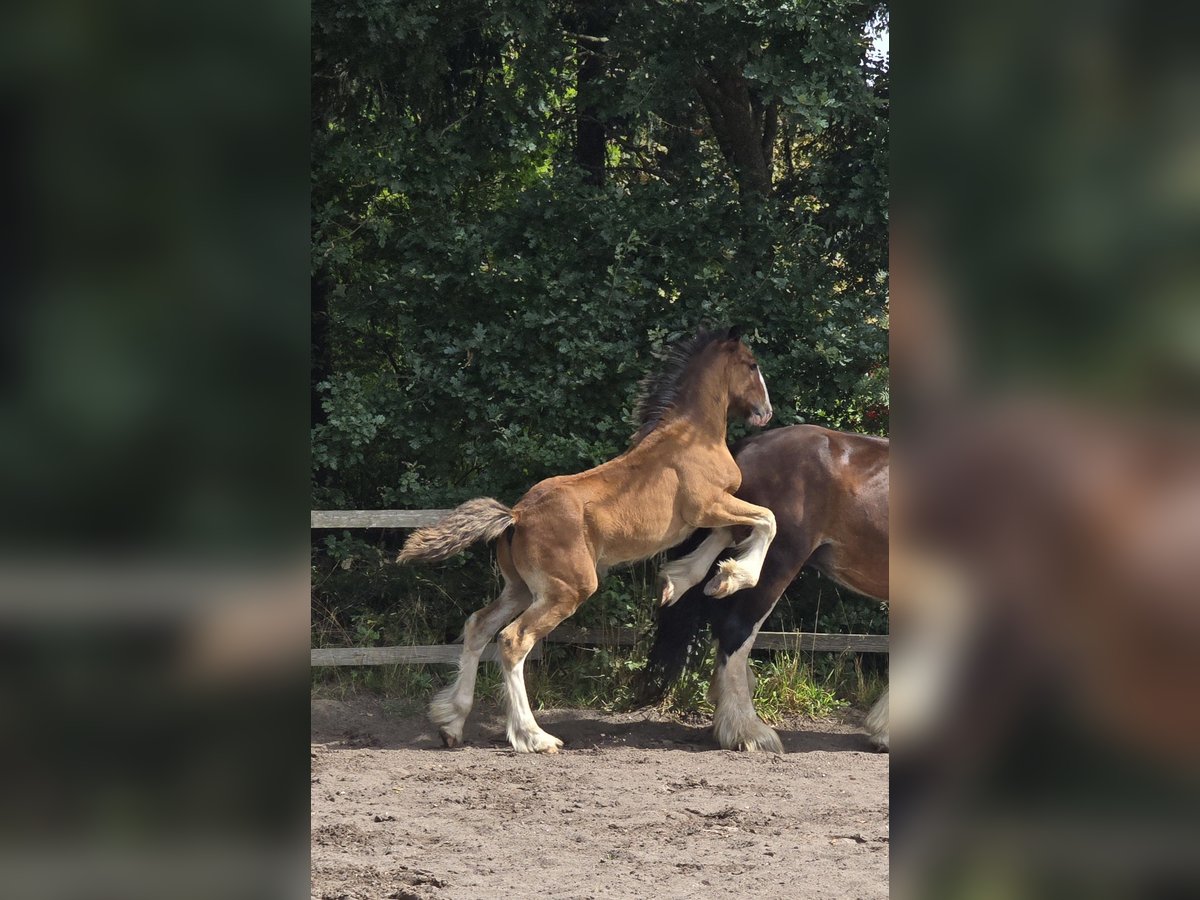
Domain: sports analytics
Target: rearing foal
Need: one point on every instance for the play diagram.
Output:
(556, 542)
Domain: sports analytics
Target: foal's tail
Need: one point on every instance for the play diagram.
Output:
(482, 519)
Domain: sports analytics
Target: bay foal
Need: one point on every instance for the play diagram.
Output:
(556, 542)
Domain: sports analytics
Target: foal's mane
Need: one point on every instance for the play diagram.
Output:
(658, 391)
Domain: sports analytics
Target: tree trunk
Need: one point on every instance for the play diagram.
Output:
(591, 130)
(744, 127)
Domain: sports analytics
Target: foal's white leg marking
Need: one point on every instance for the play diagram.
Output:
(742, 570)
(735, 723)
(877, 723)
(451, 706)
(524, 733)
(679, 576)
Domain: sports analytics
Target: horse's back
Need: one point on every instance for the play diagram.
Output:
(809, 458)
(855, 448)
(829, 491)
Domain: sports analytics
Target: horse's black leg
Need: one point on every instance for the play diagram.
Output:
(681, 635)
(736, 621)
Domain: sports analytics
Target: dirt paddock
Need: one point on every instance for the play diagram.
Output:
(635, 805)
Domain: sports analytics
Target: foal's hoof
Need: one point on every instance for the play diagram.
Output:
(546, 743)
(450, 741)
(718, 586)
(730, 579)
(537, 742)
(668, 593)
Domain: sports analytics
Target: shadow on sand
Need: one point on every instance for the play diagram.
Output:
(358, 725)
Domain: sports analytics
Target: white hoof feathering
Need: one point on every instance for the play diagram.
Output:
(534, 741)
(736, 731)
(731, 577)
(448, 715)
(876, 724)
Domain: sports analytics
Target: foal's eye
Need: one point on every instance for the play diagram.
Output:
(753, 367)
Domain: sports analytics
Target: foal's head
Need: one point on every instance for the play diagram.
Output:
(748, 396)
(714, 358)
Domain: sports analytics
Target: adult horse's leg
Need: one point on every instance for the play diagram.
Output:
(877, 723)
(681, 575)
(450, 707)
(744, 569)
(736, 725)
(556, 596)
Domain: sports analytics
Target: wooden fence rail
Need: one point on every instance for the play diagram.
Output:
(804, 641)
(394, 656)
(375, 518)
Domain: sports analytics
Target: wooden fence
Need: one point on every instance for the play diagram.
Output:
(805, 641)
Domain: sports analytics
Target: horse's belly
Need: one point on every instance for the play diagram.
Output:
(632, 546)
(681, 535)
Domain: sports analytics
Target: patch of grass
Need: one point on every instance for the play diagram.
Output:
(408, 688)
(573, 676)
(786, 685)
(688, 696)
(602, 678)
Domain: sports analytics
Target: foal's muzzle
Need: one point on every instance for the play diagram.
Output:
(761, 416)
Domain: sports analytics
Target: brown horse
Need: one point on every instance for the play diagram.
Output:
(829, 492)
(556, 542)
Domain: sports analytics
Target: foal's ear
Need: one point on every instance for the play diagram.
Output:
(735, 333)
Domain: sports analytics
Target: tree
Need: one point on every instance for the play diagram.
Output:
(514, 203)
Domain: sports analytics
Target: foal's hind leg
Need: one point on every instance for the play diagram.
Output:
(556, 599)
(450, 707)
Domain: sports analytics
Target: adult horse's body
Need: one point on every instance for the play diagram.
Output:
(829, 492)
(553, 545)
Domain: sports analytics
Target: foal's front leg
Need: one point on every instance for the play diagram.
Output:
(743, 569)
(680, 575)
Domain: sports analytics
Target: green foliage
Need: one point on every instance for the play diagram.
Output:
(485, 313)
(784, 685)
(814, 603)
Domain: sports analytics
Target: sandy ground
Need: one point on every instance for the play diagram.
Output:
(636, 805)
